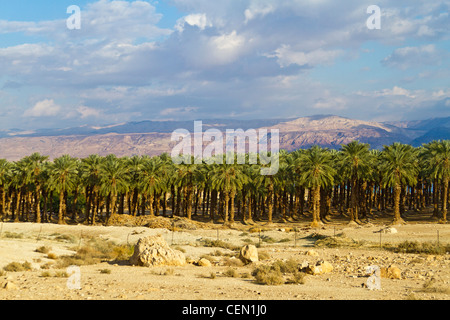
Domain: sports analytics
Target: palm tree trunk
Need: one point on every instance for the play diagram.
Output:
(95, 207)
(435, 198)
(249, 216)
(150, 204)
(61, 207)
(444, 200)
(226, 202)
(164, 204)
(232, 197)
(37, 201)
(189, 195)
(2, 212)
(113, 205)
(44, 205)
(17, 208)
(397, 192)
(316, 207)
(213, 205)
(270, 201)
(354, 201)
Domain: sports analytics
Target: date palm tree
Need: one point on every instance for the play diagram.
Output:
(228, 179)
(35, 162)
(63, 175)
(90, 176)
(113, 180)
(356, 163)
(316, 172)
(135, 166)
(437, 157)
(151, 179)
(187, 174)
(399, 168)
(5, 178)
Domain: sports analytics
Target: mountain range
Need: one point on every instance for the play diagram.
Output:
(154, 137)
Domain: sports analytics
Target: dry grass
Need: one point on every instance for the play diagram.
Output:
(43, 249)
(219, 244)
(12, 235)
(52, 256)
(18, 267)
(231, 273)
(96, 251)
(275, 273)
(432, 286)
(424, 247)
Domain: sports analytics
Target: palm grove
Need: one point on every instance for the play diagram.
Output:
(353, 182)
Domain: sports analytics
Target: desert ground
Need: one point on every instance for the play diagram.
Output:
(424, 276)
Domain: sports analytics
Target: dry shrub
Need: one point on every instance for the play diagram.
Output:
(13, 235)
(64, 237)
(274, 274)
(52, 256)
(298, 277)
(17, 267)
(232, 273)
(431, 286)
(219, 244)
(263, 255)
(424, 247)
(43, 249)
(105, 271)
(232, 262)
(96, 251)
(45, 274)
(269, 276)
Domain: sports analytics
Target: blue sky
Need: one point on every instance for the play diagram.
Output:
(203, 59)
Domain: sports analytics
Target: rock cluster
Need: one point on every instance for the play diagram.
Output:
(154, 251)
(249, 254)
(321, 267)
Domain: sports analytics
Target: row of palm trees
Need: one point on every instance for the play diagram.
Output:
(353, 182)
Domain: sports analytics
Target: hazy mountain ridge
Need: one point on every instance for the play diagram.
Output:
(154, 137)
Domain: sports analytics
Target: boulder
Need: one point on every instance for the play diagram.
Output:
(392, 272)
(388, 230)
(9, 286)
(249, 254)
(204, 263)
(312, 253)
(154, 251)
(321, 267)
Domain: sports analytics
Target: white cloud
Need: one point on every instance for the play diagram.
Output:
(331, 104)
(178, 111)
(258, 9)
(286, 56)
(410, 57)
(242, 57)
(197, 19)
(86, 112)
(44, 108)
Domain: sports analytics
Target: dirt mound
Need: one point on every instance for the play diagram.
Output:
(154, 222)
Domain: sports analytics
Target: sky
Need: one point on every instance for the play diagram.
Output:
(234, 59)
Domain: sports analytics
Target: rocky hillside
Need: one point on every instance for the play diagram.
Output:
(154, 137)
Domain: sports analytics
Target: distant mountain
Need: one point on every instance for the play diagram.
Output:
(141, 127)
(154, 137)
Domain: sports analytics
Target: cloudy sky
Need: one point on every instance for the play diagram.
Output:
(204, 59)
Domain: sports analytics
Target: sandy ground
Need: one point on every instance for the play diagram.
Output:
(191, 282)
